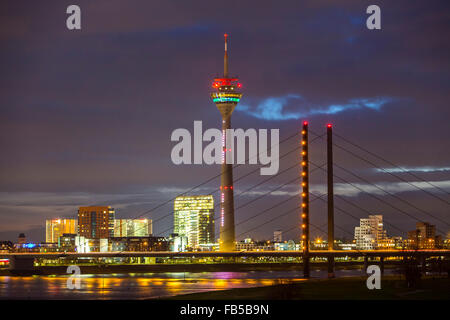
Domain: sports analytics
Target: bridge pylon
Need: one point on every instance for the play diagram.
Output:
(305, 199)
(330, 199)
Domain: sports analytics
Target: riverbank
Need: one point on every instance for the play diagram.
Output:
(348, 288)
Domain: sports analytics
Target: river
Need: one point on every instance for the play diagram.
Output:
(146, 285)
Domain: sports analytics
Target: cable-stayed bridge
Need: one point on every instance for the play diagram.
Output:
(301, 201)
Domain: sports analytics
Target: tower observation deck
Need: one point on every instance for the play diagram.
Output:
(226, 96)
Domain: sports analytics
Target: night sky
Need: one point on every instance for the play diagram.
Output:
(86, 116)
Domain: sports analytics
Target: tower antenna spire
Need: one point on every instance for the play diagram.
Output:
(225, 58)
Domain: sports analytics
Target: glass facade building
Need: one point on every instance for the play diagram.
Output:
(55, 228)
(132, 227)
(194, 219)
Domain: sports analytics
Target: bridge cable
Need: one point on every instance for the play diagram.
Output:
(391, 194)
(373, 196)
(396, 166)
(244, 176)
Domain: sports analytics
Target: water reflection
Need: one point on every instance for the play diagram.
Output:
(144, 286)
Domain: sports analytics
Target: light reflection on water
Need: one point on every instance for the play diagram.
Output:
(146, 285)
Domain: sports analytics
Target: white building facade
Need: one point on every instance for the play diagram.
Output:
(370, 233)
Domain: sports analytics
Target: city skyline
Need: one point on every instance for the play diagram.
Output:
(53, 164)
(192, 214)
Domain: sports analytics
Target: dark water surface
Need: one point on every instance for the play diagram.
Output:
(146, 285)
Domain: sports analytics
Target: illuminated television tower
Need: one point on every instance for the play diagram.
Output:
(226, 96)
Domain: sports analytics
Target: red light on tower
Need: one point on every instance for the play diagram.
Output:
(305, 123)
(329, 125)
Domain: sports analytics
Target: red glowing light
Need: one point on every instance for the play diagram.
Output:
(225, 81)
(329, 125)
(225, 35)
(305, 123)
(239, 85)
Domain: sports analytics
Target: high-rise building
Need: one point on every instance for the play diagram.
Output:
(194, 219)
(426, 230)
(226, 96)
(132, 227)
(96, 222)
(278, 236)
(55, 228)
(424, 237)
(370, 233)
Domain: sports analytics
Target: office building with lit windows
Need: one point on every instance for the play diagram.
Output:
(96, 222)
(278, 236)
(55, 228)
(132, 227)
(140, 244)
(424, 237)
(370, 233)
(194, 219)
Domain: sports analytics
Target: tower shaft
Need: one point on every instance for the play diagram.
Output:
(227, 233)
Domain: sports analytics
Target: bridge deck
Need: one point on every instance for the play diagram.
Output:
(164, 254)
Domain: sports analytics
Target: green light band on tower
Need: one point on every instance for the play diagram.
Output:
(226, 100)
